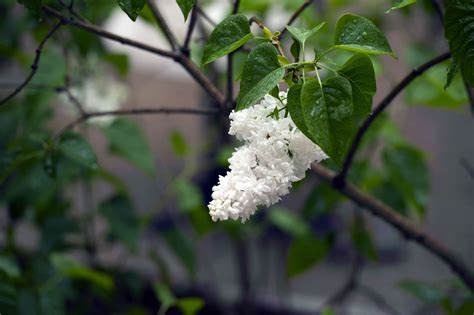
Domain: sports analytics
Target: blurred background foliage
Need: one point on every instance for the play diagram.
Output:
(47, 182)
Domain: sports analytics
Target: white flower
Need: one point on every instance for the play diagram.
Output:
(275, 153)
(98, 94)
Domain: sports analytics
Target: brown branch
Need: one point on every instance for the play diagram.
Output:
(415, 73)
(190, 67)
(297, 13)
(470, 95)
(163, 25)
(403, 225)
(189, 33)
(34, 65)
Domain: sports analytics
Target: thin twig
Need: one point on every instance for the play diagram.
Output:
(163, 25)
(34, 65)
(439, 11)
(400, 223)
(378, 299)
(295, 15)
(189, 33)
(415, 73)
(204, 15)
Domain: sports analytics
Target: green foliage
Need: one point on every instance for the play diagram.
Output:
(76, 148)
(329, 113)
(362, 238)
(305, 252)
(422, 291)
(127, 140)
(288, 222)
(182, 248)
(398, 4)
(458, 23)
(301, 34)
(261, 73)
(132, 7)
(186, 6)
(187, 305)
(229, 35)
(359, 34)
(180, 147)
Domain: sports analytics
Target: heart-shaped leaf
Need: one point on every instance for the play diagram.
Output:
(301, 34)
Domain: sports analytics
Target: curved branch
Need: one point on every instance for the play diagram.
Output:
(295, 15)
(163, 25)
(404, 226)
(415, 73)
(34, 65)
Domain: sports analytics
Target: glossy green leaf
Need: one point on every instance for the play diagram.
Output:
(295, 50)
(452, 71)
(422, 291)
(180, 147)
(227, 36)
(122, 220)
(409, 172)
(186, 6)
(132, 7)
(459, 31)
(288, 222)
(360, 73)
(304, 253)
(127, 140)
(328, 113)
(302, 34)
(190, 306)
(398, 4)
(359, 34)
(261, 73)
(293, 103)
(76, 148)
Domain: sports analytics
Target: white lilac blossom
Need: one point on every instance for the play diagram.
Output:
(98, 94)
(274, 154)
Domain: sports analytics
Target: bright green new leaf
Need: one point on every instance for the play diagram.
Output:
(261, 73)
(132, 7)
(186, 6)
(76, 148)
(398, 4)
(301, 34)
(328, 113)
(304, 253)
(165, 296)
(190, 306)
(227, 36)
(360, 73)
(424, 292)
(127, 140)
(459, 26)
(122, 220)
(288, 222)
(359, 34)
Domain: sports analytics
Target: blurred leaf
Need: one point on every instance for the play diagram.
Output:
(188, 195)
(304, 253)
(165, 296)
(122, 220)
(190, 306)
(9, 267)
(127, 140)
(34, 5)
(119, 61)
(51, 67)
(362, 239)
(227, 36)
(261, 73)
(458, 24)
(301, 34)
(186, 6)
(398, 4)
(408, 171)
(182, 248)
(8, 294)
(132, 7)
(321, 200)
(422, 291)
(75, 147)
(180, 147)
(328, 311)
(359, 34)
(288, 222)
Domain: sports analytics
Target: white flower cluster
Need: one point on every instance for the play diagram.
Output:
(275, 153)
(98, 94)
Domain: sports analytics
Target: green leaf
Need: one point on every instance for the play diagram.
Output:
(229, 35)
(34, 5)
(132, 7)
(190, 306)
(76, 148)
(165, 295)
(328, 113)
(180, 147)
(422, 291)
(186, 6)
(9, 267)
(398, 4)
(288, 222)
(295, 50)
(296, 111)
(304, 253)
(321, 200)
(362, 239)
(408, 171)
(360, 73)
(119, 61)
(359, 34)
(459, 26)
(188, 195)
(122, 221)
(301, 34)
(261, 73)
(127, 140)
(452, 71)
(182, 248)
